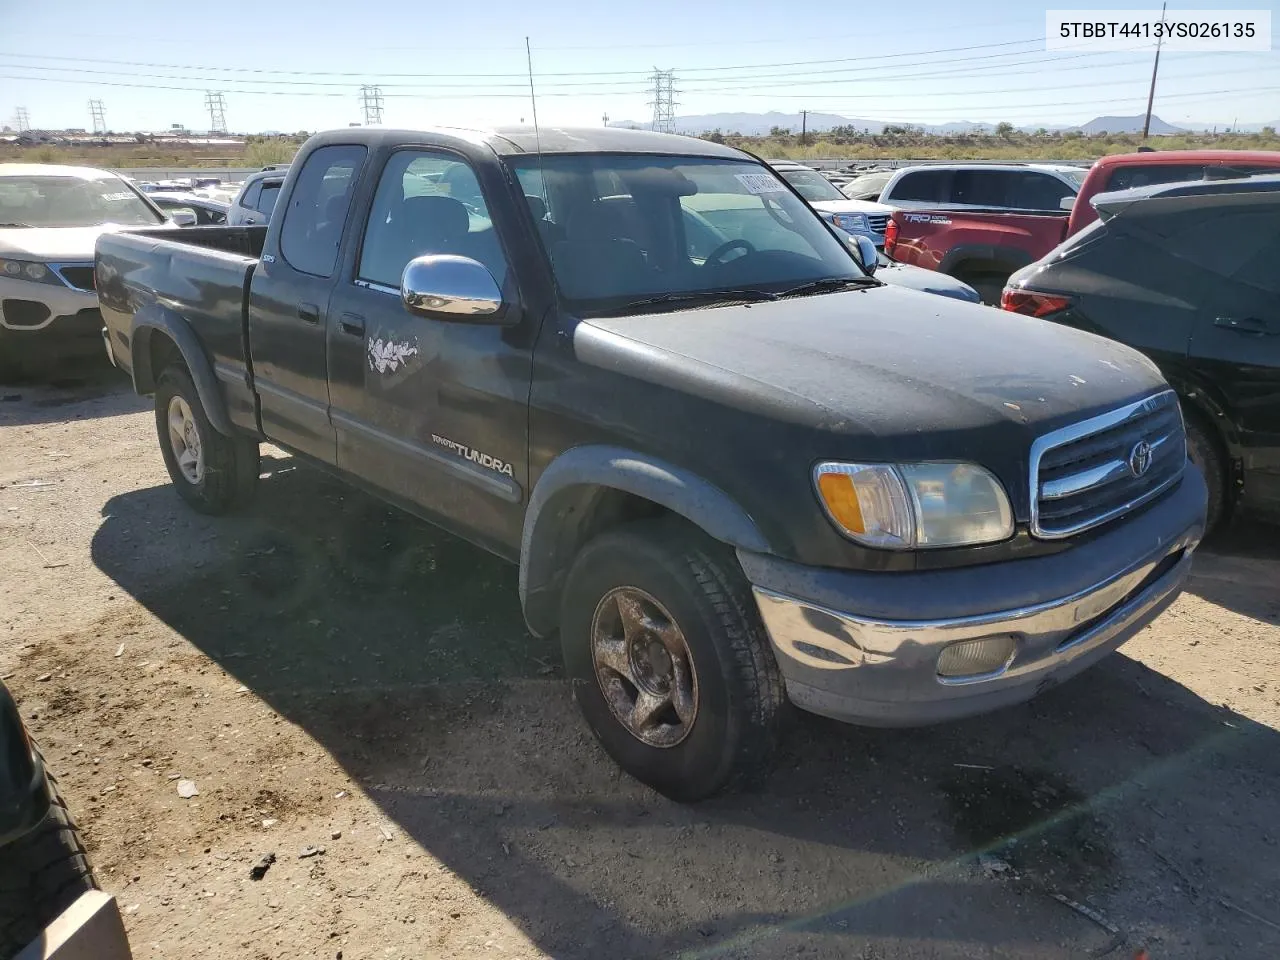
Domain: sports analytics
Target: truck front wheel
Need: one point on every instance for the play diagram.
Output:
(210, 471)
(668, 659)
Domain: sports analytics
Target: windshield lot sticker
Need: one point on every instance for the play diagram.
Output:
(387, 355)
(759, 183)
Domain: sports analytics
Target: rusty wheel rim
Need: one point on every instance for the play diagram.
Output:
(643, 666)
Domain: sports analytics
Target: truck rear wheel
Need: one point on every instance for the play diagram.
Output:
(211, 472)
(669, 661)
(41, 874)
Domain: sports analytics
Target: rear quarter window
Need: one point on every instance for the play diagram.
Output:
(1126, 178)
(927, 186)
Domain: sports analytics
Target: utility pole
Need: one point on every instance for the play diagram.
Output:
(1151, 94)
(21, 119)
(664, 100)
(605, 120)
(804, 127)
(99, 117)
(216, 104)
(371, 105)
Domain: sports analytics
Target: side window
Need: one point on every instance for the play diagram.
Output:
(208, 218)
(929, 186)
(1037, 191)
(267, 199)
(312, 228)
(1260, 267)
(981, 188)
(250, 198)
(427, 202)
(1227, 242)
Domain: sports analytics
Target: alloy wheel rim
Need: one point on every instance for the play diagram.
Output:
(184, 439)
(644, 668)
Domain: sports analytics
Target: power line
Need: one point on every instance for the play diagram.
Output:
(216, 104)
(98, 116)
(579, 73)
(371, 105)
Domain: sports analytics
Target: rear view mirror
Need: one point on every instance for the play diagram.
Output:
(447, 287)
(1066, 203)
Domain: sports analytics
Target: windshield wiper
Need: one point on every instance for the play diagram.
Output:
(699, 297)
(16, 225)
(829, 285)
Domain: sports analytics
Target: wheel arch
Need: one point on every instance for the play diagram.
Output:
(589, 489)
(160, 334)
(993, 258)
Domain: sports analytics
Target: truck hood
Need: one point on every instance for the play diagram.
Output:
(900, 374)
(851, 206)
(53, 244)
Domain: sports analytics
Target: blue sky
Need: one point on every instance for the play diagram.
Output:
(284, 66)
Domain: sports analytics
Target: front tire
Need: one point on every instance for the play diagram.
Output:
(669, 661)
(212, 472)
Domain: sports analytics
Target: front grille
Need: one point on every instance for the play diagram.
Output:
(78, 276)
(24, 313)
(878, 222)
(1092, 472)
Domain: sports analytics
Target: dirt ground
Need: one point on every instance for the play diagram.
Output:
(332, 675)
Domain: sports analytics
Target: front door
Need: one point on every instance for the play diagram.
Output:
(1236, 347)
(288, 301)
(434, 413)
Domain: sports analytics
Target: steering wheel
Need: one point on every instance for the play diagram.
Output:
(716, 256)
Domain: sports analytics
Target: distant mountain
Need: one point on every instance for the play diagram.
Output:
(1126, 125)
(760, 124)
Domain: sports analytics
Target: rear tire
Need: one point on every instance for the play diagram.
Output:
(41, 874)
(212, 472)
(1204, 452)
(693, 584)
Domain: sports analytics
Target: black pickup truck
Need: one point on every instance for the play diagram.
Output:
(734, 468)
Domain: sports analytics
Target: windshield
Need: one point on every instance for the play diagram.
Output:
(1075, 176)
(624, 228)
(812, 185)
(54, 201)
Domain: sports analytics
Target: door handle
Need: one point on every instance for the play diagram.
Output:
(353, 324)
(309, 312)
(1252, 325)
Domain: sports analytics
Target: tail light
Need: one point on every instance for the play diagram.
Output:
(890, 236)
(1031, 303)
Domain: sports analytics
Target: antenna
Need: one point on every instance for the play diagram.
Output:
(537, 138)
(1151, 94)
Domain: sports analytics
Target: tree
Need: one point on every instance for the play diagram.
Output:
(1004, 130)
(1268, 131)
(1041, 132)
(779, 131)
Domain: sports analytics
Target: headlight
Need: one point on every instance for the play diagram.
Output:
(28, 270)
(853, 222)
(908, 505)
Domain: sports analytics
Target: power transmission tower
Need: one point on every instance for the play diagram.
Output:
(21, 120)
(371, 105)
(664, 100)
(98, 115)
(216, 104)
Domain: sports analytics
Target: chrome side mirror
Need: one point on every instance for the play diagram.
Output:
(448, 287)
(1066, 203)
(183, 218)
(868, 258)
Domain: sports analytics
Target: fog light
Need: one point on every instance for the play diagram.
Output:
(974, 658)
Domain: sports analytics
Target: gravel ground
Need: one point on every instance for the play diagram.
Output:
(330, 674)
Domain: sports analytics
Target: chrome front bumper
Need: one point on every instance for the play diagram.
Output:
(883, 671)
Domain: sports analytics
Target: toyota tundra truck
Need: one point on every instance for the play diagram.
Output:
(981, 222)
(735, 470)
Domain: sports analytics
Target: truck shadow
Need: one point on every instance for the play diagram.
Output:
(402, 652)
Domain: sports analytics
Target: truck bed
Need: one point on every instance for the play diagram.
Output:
(149, 278)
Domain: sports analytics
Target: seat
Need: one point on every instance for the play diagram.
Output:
(594, 262)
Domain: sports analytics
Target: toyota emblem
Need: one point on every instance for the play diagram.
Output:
(1140, 458)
